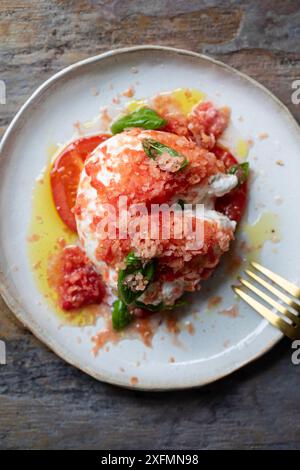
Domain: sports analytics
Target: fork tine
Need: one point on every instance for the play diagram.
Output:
(274, 290)
(274, 319)
(288, 286)
(271, 301)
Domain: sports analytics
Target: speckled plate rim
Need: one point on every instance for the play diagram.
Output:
(13, 302)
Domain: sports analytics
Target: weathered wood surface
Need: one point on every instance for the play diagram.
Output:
(45, 403)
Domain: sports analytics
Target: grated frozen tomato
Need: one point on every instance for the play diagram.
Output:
(79, 285)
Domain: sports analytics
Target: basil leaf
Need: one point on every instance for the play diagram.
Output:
(151, 307)
(161, 306)
(124, 291)
(120, 315)
(179, 303)
(154, 149)
(132, 260)
(241, 170)
(133, 266)
(145, 118)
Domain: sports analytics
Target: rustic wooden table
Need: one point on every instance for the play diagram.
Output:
(45, 403)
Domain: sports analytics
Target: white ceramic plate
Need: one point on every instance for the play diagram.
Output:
(220, 344)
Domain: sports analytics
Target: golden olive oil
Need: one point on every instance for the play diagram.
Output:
(242, 149)
(187, 98)
(266, 228)
(45, 231)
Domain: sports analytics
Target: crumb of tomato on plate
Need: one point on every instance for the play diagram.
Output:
(103, 189)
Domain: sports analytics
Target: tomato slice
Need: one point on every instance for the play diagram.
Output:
(223, 154)
(66, 172)
(232, 204)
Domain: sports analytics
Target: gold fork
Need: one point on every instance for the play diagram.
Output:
(289, 322)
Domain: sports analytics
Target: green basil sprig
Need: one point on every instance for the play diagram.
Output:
(241, 170)
(132, 260)
(120, 315)
(128, 298)
(150, 307)
(154, 149)
(145, 118)
(161, 306)
(134, 265)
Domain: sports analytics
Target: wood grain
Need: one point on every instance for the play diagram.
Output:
(45, 403)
